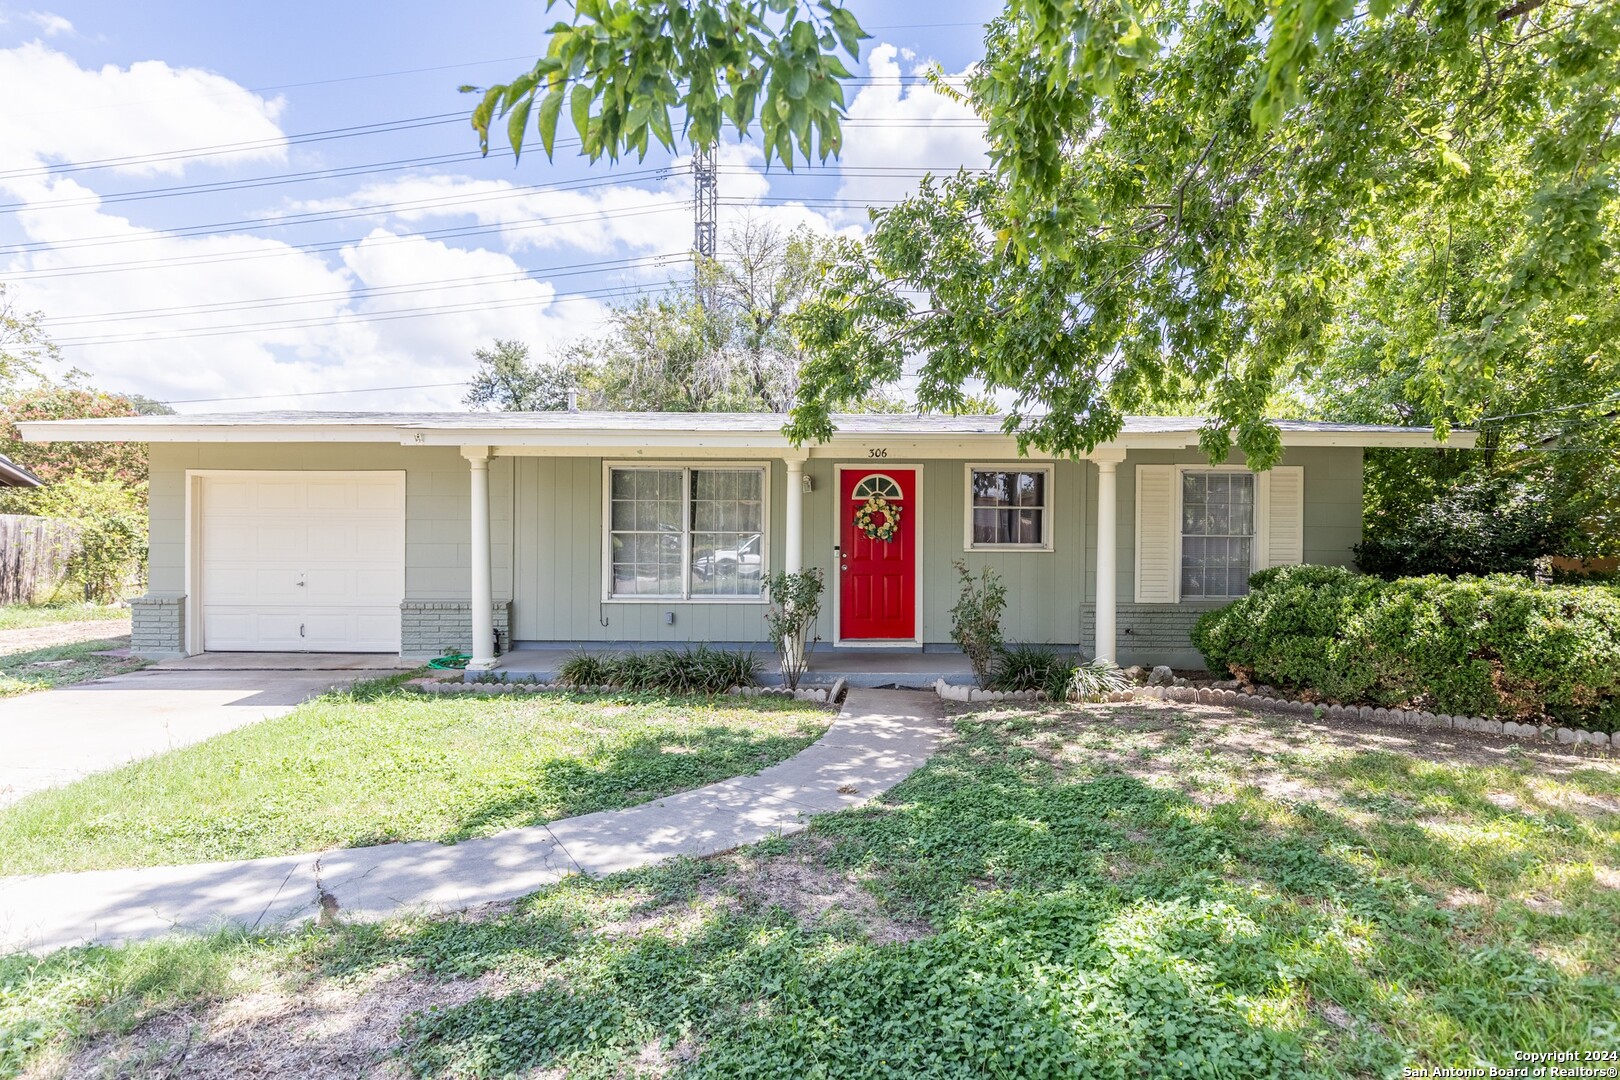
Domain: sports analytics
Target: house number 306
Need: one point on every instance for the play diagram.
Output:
(878, 452)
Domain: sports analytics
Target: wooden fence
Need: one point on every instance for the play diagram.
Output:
(34, 554)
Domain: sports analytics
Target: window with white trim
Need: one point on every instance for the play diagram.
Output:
(1009, 508)
(1217, 534)
(686, 533)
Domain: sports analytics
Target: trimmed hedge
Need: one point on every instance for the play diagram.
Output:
(1496, 646)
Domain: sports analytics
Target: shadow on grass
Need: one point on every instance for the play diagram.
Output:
(638, 770)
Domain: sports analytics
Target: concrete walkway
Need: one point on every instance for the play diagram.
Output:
(57, 736)
(879, 738)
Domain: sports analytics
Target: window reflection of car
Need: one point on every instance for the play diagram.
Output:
(744, 561)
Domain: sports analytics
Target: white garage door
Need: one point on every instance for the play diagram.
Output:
(302, 561)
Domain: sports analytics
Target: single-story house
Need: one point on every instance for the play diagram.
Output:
(422, 533)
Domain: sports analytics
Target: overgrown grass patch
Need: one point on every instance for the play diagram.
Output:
(23, 616)
(1114, 891)
(62, 665)
(382, 764)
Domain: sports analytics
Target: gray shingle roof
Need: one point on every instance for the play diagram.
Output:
(762, 423)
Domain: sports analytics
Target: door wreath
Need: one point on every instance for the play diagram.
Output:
(871, 528)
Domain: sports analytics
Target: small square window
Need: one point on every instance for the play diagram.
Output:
(1008, 508)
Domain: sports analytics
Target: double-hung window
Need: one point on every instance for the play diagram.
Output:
(1009, 508)
(686, 532)
(1217, 534)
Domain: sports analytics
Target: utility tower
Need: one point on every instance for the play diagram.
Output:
(705, 188)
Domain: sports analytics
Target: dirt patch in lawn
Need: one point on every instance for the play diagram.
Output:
(816, 895)
(324, 1030)
(30, 638)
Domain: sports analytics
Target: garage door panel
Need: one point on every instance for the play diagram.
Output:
(378, 586)
(374, 541)
(302, 562)
(329, 495)
(230, 495)
(334, 540)
(378, 495)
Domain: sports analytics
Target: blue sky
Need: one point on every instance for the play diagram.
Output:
(287, 199)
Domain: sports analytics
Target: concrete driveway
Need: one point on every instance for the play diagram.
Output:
(58, 736)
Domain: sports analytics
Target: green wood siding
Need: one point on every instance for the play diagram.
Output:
(546, 529)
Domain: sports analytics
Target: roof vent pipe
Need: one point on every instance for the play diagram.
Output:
(573, 401)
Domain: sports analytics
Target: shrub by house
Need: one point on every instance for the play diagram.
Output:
(1496, 646)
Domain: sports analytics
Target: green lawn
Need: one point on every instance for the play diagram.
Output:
(1117, 892)
(62, 665)
(24, 616)
(381, 764)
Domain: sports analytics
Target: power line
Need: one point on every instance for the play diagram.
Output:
(1557, 409)
(379, 128)
(181, 262)
(296, 324)
(335, 172)
(366, 293)
(321, 216)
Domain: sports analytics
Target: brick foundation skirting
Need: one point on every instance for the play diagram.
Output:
(437, 627)
(1147, 633)
(157, 626)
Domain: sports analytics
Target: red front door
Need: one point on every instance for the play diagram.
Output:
(878, 577)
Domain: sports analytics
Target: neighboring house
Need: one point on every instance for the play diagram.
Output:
(419, 533)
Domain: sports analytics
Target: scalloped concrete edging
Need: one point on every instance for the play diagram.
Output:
(1478, 725)
(824, 695)
(954, 692)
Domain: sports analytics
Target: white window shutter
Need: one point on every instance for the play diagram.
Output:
(1156, 528)
(1283, 528)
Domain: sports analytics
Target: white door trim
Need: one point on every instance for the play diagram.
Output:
(916, 501)
(193, 638)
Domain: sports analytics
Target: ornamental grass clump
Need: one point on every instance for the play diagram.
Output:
(1496, 646)
(1022, 667)
(699, 670)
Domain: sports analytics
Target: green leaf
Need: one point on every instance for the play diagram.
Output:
(550, 110)
(517, 123)
(579, 106)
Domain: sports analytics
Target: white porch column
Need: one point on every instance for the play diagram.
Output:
(793, 548)
(483, 615)
(1107, 561)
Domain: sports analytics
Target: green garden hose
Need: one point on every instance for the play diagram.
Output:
(454, 661)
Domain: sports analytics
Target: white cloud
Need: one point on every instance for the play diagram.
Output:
(597, 217)
(49, 23)
(315, 325)
(229, 314)
(148, 110)
(912, 127)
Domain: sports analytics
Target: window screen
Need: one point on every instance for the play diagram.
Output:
(1217, 534)
(1008, 507)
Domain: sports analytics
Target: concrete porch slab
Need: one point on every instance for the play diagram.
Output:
(288, 661)
(871, 668)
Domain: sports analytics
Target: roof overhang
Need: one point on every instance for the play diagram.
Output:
(635, 435)
(14, 475)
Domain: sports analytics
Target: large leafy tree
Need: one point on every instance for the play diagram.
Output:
(507, 380)
(1181, 192)
(722, 346)
(1549, 415)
